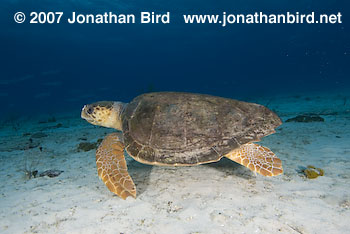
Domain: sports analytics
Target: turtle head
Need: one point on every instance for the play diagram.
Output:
(105, 113)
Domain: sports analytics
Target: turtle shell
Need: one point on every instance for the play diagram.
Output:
(186, 129)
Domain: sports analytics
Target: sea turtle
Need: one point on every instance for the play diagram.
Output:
(180, 129)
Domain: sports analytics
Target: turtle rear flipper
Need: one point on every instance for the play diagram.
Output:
(112, 168)
(257, 158)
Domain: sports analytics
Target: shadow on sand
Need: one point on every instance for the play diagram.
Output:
(231, 168)
(141, 172)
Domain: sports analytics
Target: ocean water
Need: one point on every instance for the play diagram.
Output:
(58, 67)
(49, 71)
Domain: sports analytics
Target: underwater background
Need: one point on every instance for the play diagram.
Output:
(52, 68)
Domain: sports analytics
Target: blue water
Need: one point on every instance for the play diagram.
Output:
(52, 68)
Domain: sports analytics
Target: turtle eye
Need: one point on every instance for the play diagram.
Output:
(90, 110)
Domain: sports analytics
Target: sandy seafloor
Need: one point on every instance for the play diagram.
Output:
(220, 197)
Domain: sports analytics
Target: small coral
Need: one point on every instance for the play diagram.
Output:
(51, 173)
(306, 118)
(30, 174)
(312, 172)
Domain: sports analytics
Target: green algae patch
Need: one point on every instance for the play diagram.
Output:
(87, 146)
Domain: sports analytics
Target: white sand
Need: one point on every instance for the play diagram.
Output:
(220, 197)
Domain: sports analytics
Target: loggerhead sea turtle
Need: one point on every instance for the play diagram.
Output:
(180, 129)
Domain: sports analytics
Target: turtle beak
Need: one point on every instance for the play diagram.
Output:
(84, 113)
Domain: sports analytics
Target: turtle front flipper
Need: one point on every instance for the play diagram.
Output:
(112, 168)
(257, 158)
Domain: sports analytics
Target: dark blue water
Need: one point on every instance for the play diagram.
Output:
(51, 68)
